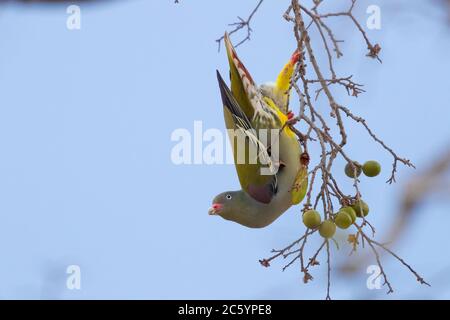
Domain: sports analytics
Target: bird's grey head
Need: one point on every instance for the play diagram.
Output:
(225, 204)
(236, 206)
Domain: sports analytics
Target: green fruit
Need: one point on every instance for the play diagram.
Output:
(359, 204)
(350, 211)
(371, 168)
(327, 229)
(311, 219)
(349, 171)
(343, 220)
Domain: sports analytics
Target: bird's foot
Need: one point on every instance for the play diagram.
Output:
(290, 115)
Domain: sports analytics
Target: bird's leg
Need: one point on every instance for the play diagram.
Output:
(290, 115)
(292, 119)
(291, 122)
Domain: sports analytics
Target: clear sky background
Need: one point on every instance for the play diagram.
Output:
(86, 176)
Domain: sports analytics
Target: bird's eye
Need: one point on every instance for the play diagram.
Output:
(228, 196)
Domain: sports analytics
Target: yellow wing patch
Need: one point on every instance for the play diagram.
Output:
(300, 185)
(283, 118)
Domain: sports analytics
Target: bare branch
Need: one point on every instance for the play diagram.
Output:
(240, 24)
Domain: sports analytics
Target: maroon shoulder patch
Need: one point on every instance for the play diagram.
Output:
(262, 194)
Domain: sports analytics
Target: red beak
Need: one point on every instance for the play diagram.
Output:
(215, 208)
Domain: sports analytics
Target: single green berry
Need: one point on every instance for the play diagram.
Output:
(360, 208)
(350, 211)
(343, 220)
(327, 229)
(371, 168)
(350, 171)
(311, 219)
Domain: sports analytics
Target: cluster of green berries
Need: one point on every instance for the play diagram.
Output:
(347, 215)
(343, 219)
(370, 168)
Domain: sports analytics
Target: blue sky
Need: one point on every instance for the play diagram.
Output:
(86, 176)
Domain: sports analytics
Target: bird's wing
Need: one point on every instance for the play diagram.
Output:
(247, 93)
(250, 154)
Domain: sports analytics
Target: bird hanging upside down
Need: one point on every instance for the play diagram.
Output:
(271, 181)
